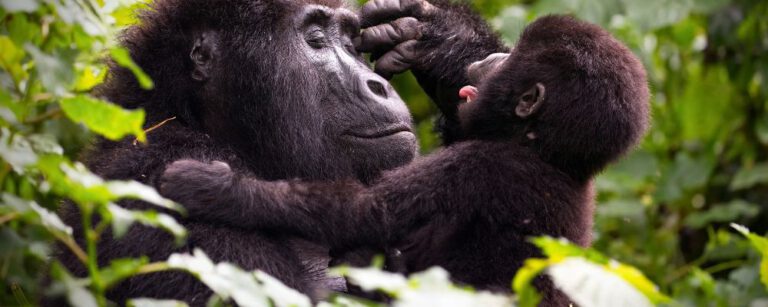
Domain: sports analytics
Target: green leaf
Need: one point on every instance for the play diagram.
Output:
(55, 71)
(76, 291)
(11, 57)
(562, 248)
(759, 243)
(722, 213)
(102, 117)
(16, 150)
(76, 182)
(589, 284)
(123, 58)
(522, 284)
(432, 287)
(122, 219)
(13, 6)
(89, 77)
(229, 281)
(749, 177)
(48, 219)
(120, 269)
(148, 302)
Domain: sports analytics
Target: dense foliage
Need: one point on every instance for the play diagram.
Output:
(664, 211)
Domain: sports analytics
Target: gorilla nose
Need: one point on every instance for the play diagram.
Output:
(378, 88)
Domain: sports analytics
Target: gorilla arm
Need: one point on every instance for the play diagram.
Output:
(341, 214)
(437, 40)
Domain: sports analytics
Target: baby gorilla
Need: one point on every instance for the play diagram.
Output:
(541, 123)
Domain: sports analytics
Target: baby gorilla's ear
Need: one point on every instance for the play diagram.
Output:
(530, 101)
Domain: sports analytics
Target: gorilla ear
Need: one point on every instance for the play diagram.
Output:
(530, 101)
(202, 55)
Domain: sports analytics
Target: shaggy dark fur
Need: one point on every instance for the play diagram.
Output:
(275, 89)
(567, 101)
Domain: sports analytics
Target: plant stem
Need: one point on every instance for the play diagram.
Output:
(91, 237)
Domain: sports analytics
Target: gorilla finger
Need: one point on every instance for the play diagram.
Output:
(388, 35)
(221, 165)
(378, 11)
(396, 61)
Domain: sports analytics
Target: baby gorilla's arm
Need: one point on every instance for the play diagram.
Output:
(340, 214)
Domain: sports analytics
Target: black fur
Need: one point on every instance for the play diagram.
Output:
(469, 207)
(237, 78)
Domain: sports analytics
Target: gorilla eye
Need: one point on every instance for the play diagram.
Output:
(316, 39)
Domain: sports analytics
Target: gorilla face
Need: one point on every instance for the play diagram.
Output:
(365, 118)
(296, 99)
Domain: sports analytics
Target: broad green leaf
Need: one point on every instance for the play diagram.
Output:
(727, 212)
(562, 248)
(761, 244)
(224, 279)
(122, 219)
(16, 150)
(76, 182)
(120, 269)
(48, 219)
(55, 71)
(591, 285)
(370, 279)
(123, 58)
(522, 284)
(102, 117)
(13, 6)
(279, 293)
(76, 291)
(11, 57)
(749, 177)
(429, 288)
(636, 278)
(148, 302)
(89, 77)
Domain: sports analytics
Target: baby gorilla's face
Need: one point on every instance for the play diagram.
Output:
(478, 71)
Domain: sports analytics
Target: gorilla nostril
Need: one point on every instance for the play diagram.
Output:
(377, 88)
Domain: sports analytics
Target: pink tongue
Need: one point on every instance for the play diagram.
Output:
(468, 92)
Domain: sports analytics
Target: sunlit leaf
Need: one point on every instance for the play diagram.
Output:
(123, 58)
(148, 302)
(90, 77)
(591, 285)
(49, 219)
(122, 219)
(13, 6)
(102, 117)
(77, 294)
(16, 150)
(54, 71)
(429, 288)
(11, 58)
(761, 244)
(229, 281)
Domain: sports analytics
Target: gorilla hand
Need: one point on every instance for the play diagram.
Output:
(437, 40)
(197, 185)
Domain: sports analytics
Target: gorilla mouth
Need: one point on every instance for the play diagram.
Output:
(378, 132)
(468, 93)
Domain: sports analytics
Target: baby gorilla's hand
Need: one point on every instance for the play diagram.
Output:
(197, 185)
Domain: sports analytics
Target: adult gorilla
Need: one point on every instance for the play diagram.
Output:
(277, 88)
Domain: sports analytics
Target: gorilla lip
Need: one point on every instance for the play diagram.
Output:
(375, 133)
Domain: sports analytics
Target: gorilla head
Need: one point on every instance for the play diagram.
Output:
(277, 81)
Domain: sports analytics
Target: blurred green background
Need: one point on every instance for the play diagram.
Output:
(665, 209)
(704, 164)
